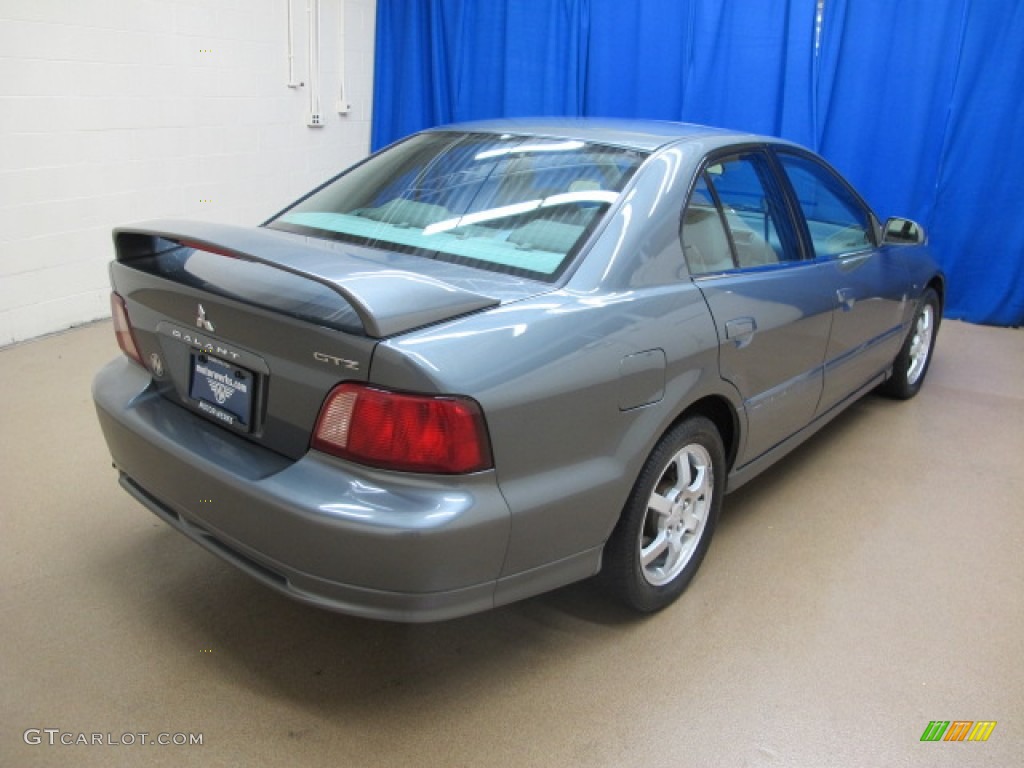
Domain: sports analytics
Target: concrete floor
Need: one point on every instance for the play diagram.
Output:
(869, 584)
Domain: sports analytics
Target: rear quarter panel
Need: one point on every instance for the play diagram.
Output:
(550, 377)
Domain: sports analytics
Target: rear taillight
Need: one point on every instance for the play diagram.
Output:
(411, 433)
(123, 329)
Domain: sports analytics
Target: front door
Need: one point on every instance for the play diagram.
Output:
(870, 283)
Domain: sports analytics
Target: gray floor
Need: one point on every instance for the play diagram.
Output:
(871, 583)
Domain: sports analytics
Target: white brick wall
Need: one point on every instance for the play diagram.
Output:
(113, 111)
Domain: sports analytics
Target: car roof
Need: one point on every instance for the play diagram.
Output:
(646, 135)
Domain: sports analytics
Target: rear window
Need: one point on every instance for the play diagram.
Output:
(505, 203)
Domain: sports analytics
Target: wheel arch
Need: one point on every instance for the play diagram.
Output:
(720, 412)
(621, 555)
(938, 284)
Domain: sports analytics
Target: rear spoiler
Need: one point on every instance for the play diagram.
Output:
(387, 301)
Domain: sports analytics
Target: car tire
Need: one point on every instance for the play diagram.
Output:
(911, 364)
(667, 523)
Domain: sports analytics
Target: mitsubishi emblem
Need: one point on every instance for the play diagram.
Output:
(202, 322)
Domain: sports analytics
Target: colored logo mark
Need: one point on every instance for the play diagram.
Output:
(958, 730)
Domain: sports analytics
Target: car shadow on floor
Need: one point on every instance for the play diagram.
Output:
(226, 629)
(344, 666)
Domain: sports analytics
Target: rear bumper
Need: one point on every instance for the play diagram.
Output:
(381, 545)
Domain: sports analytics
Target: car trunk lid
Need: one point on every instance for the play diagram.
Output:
(251, 328)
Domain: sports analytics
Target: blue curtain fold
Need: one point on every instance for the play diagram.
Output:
(442, 61)
(918, 103)
(882, 99)
(637, 59)
(750, 66)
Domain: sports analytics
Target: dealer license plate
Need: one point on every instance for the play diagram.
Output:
(222, 390)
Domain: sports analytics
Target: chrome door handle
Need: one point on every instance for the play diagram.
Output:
(846, 298)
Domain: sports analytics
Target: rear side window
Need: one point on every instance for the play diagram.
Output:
(504, 203)
(837, 223)
(750, 227)
(705, 242)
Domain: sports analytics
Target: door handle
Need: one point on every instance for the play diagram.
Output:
(846, 299)
(740, 330)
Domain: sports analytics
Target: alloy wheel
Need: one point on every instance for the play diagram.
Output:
(677, 513)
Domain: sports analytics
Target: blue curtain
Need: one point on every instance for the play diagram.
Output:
(918, 103)
(636, 59)
(759, 81)
(443, 61)
(882, 99)
(978, 222)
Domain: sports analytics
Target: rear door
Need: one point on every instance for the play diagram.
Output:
(772, 307)
(870, 284)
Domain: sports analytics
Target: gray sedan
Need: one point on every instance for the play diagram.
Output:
(497, 358)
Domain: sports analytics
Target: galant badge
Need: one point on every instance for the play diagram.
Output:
(202, 322)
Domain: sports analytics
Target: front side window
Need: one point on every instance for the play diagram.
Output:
(512, 204)
(837, 223)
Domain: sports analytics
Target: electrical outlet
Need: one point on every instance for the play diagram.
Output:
(315, 120)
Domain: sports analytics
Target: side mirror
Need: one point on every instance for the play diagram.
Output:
(903, 232)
